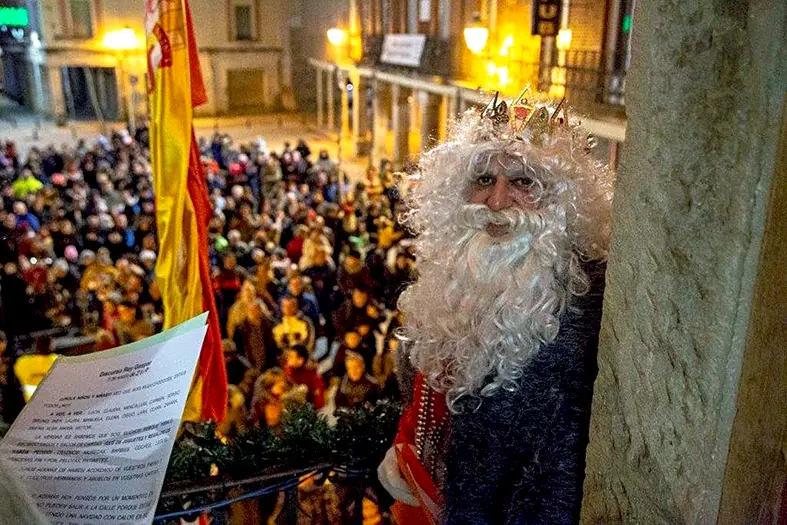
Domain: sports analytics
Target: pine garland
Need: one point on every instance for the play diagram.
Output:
(359, 439)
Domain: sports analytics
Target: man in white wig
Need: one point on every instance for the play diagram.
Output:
(501, 327)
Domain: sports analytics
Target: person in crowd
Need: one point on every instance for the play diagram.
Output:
(31, 368)
(239, 310)
(266, 285)
(351, 342)
(384, 369)
(237, 416)
(295, 328)
(316, 241)
(358, 309)
(26, 184)
(373, 187)
(307, 303)
(130, 324)
(353, 273)
(398, 278)
(237, 364)
(272, 392)
(301, 370)
(357, 387)
(254, 337)
(322, 275)
(295, 246)
(227, 283)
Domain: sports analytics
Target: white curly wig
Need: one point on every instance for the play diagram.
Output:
(483, 306)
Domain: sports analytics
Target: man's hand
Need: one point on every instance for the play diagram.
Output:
(392, 480)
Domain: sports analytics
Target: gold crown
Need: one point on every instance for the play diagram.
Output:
(522, 115)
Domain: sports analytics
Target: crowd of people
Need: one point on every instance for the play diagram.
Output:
(306, 268)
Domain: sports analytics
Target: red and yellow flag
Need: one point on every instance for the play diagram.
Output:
(183, 210)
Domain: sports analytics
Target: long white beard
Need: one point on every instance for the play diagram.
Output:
(483, 306)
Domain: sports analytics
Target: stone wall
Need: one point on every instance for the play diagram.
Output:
(682, 368)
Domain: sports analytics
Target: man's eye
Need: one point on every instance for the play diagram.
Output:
(523, 182)
(485, 180)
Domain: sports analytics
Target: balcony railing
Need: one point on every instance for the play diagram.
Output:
(579, 75)
(286, 497)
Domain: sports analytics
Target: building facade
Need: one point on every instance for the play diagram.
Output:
(88, 58)
(399, 70)
(20, 78)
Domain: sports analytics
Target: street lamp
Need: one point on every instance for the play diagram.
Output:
(336, 36)
(122, 41)
(563, 40)
(476, 35)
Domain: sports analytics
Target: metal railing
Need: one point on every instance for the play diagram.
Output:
(579, 75)
(287, 497)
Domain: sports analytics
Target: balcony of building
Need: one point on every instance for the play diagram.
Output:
(581, 76)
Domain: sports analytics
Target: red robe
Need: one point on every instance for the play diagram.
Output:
(426, 418)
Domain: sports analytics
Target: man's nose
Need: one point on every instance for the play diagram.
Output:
(500, 199)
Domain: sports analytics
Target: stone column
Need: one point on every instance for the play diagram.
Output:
(345, 102)
(381, 104)
(331, 87)
(57, 103)
(35, 87)
(362, 114)
(400, 116)
(449, 110)
(688, 422)
(430, 119)
(320, 98)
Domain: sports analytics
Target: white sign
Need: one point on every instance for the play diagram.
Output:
(92, 445)
(403, 50)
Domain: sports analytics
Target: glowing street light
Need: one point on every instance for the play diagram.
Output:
(475, 38)
(336, 36)
(121, 40)
(563, 40)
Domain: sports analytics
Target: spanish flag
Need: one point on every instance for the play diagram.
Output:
(183, 210)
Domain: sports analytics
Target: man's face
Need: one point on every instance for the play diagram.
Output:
(500, 189)
(352, 340)
(294, 360)
(289, 307)
(352, 264)
(296, 286)
(355, 369)
(359, 298)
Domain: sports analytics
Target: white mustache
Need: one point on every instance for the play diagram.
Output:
(479, 216)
